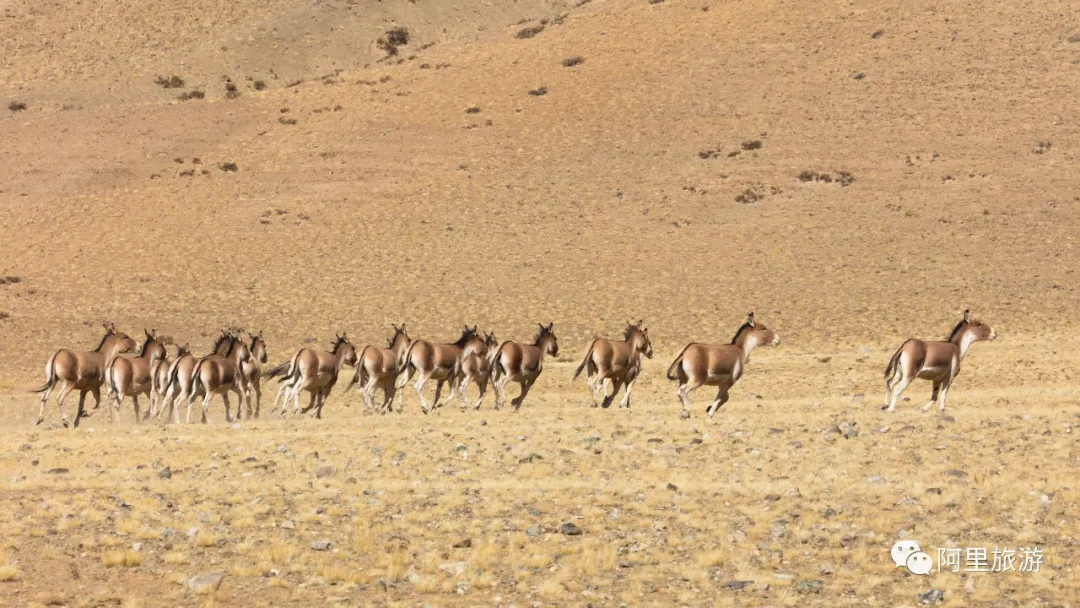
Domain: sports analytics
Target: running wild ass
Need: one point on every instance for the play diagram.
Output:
(719, 365)
(431, 361)
(314, 371)
(475, 368)
(133, 376)
(220, 375)
(378, 368)
(84, 372)
(521, 363)
(938, 362)
(617, 361)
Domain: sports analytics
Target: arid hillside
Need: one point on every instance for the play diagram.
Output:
(852, 174)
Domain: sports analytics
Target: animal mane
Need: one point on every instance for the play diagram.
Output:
(393, 338)
(540, 336)
(103, 339)
(337, 345)
(629, 332)
(961, 326)
(745, 326)
(232, 346)
(466, 335)
(221, 339)
(146, 345)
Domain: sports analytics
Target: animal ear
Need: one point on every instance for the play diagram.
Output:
(750, 319)
(551, 326)
(967, 316)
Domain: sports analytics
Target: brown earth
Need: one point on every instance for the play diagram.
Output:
(673, 174)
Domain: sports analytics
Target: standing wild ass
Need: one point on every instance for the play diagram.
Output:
(932, 360)
(220, 375)
(84, 372)
(521, 363)
(719, 365)
(314, 371)
(131, 376)
(378, 368)
(618, 361)
(475, 367)
(430, 361)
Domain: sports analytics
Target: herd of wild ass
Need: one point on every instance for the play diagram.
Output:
(235, 367)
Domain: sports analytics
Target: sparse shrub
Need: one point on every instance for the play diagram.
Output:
(4, 316)
(392, 39)
(1042, 147)
(170, 82)
(538, 92)
(749, 196)
(9, 572)
(877, 34)
(656, 1)
(193, 94)
(529, 32)
(231, 91)
(259, 85)
(754, 144)
(287, 121)
(294, 83)
(16, 106)
(472, 110)
(10, 280)
(844, 178)
(570, 62)
(229, 167)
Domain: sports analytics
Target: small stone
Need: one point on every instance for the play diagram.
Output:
(461, 587)
(684, 415)
(672, 487)
(283, 448)
(737, 585)
(570, 529)
(463, 544)
(847, 429)
(206, 583)
(321, 545)
(829, 512)
(288, 525)
(875, 479)
(165, 473)
(414, 578)
(533, 530)
(531, 457)
(932, 596)
(959, 474)
(248, 459)
(933, 491)
(57, 471)
(136, 546)
(454, 568)
(1044, 501)
(809, 587)
(772, 497)
(324, 472)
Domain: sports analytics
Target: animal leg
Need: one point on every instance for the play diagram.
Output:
(438, 391)
(945, 392)
(463, 391)
(616, 384)
(599, 388)
(684, 394)
(135, 399)
(933, 396)
(258, 399)
(721, 399)
(228, 411)
(41, 412)
(421, 378)
(482, 384)
(525, 386)
(60, 403)
(626, 396)
(206, 405)
(897, 390)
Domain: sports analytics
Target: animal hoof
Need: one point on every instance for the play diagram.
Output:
(885, 406)
(685, 415)
(65, 421)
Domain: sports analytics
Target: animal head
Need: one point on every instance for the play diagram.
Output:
(490, 340)
(476, 345)
(752, 330)
(183, 350)
(546, 340)
(401, 336)
(123, 342)
(343, 347)
(974, 327)
(152, 348)
(468, 333)
(638, 337)
(224, 343)
(258, 347)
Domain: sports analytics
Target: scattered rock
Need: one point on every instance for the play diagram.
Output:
(165, 473)
(531, 457)
(461, 587)
(809, 587)
(324, 472)
(847, 429)
(672, 487)
(321, 545)
(463, 544)
(534, 530)
(772, 497)
(1044, 501)
(933, 491)
(288, 525)
(829, 512)
(570, 529)
(454, 568)
(932, 596)
(205, 583)
(737, 585)
(413, 578)
(57, 471)
(875, 479)
(957, 473)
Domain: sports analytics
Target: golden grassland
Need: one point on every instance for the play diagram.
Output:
(466, 508)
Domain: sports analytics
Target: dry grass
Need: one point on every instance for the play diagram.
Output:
(127, 558)
(9, 573)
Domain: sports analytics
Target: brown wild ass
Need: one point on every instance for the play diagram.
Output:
(84, 372)
(378, 368)
(132, 376)
(431, 361)
(521, 363)
(475, 367)
(159, 380)
(719, 365)
(220, 375)
(618, 361)
(932, 360)
(252, 371)
(180, 374)
(314, 371)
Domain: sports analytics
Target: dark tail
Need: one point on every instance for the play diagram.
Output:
(671, 371)
(585, 361)
(50, 376)
(493, 363)
(359, 367)
(891, 368)
(406, 361)
(196, 379)
(285, 370)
